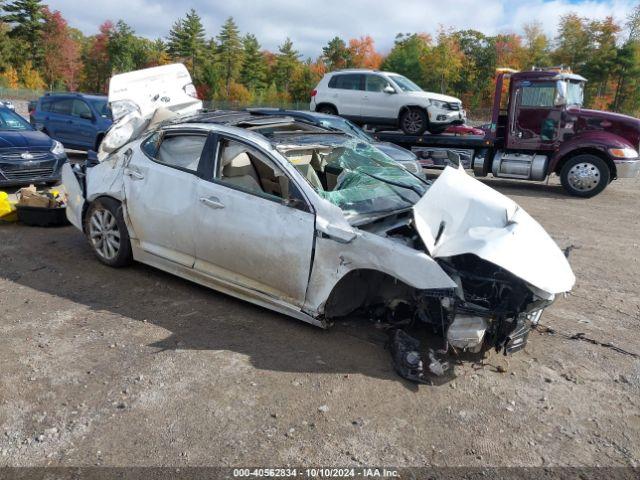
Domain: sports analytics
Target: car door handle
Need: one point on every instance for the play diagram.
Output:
(134, 174)
(213, 202)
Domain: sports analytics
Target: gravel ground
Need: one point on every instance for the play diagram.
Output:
(136, 367)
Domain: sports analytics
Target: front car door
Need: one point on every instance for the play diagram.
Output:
(347, 91)
(255, 229)
(379, 104)
(535, 120)
(160, 188)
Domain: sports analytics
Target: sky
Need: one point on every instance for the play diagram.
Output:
(311, 24)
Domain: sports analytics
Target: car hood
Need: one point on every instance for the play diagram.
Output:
(460, 215)
(26, 139)
(434, 96)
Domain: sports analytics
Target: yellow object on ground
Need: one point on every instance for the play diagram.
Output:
(8, 211)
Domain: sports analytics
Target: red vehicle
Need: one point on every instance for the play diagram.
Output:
(539, 127)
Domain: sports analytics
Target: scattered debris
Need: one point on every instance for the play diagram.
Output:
(323, 408)
(584, 338)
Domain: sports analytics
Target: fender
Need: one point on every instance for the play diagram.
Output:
(599, 141)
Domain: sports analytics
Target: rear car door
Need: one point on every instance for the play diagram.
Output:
(346, 91)
(58, 120)
(254, 227)
(377, 103)
(160, 188)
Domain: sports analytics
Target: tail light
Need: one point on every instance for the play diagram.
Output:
(314, 93)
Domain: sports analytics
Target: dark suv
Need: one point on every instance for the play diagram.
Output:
(77, 120)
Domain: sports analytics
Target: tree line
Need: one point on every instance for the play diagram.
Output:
(39, 50)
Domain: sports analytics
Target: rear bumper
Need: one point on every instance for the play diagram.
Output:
(627, 168)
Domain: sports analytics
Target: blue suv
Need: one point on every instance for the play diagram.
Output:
(77, 120)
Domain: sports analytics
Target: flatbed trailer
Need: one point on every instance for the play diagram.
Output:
(539, 128)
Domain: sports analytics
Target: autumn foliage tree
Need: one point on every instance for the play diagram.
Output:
(61, 64)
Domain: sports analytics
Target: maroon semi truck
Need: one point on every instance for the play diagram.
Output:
(539, 127)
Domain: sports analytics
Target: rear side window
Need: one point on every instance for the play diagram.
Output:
(348, 81)
(63, 107)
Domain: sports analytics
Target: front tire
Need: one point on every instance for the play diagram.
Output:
(585, 175)
(414, 121)
(107, 233)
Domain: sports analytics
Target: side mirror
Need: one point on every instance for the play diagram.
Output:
(389, 89)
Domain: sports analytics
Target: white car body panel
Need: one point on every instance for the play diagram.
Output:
(479, 220)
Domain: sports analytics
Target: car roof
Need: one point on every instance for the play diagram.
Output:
(89, 96)
(361, 70)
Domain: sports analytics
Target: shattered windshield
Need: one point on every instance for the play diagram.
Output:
(354, 175)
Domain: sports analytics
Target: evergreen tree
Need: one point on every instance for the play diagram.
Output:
(253, 71)
(286, 62)
(26, 17)
(229, 52)
(187, 40)
(336, 55)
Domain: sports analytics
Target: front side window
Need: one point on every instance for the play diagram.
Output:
(351, 81)
(101, 106)
(81, 109)
(538, 95)
(10, 121)
(182, 151)
(246, 168)
(376, 83)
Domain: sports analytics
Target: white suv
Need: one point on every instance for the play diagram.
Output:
(385, 99)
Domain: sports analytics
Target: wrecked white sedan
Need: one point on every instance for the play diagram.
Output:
(311, 223)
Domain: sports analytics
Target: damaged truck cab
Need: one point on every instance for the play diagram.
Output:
(310, 222)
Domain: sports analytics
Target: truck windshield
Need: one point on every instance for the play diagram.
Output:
(405, 84)
(575, 93)
(356, 176)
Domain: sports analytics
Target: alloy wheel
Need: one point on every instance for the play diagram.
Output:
(104, 234)
(412, 121)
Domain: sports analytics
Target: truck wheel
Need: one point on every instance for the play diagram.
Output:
(413, 121)
(327, 110)
(585, 175)
(107, 233)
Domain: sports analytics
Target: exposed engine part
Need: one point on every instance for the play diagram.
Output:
(409, 362)
(519, 165)
(467, 333)
(517, 339)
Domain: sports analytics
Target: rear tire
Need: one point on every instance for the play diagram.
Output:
(585, 175)
(327, 110)
(414, 121)
(107, 233)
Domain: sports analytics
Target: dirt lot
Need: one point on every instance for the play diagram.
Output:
(136, 367)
